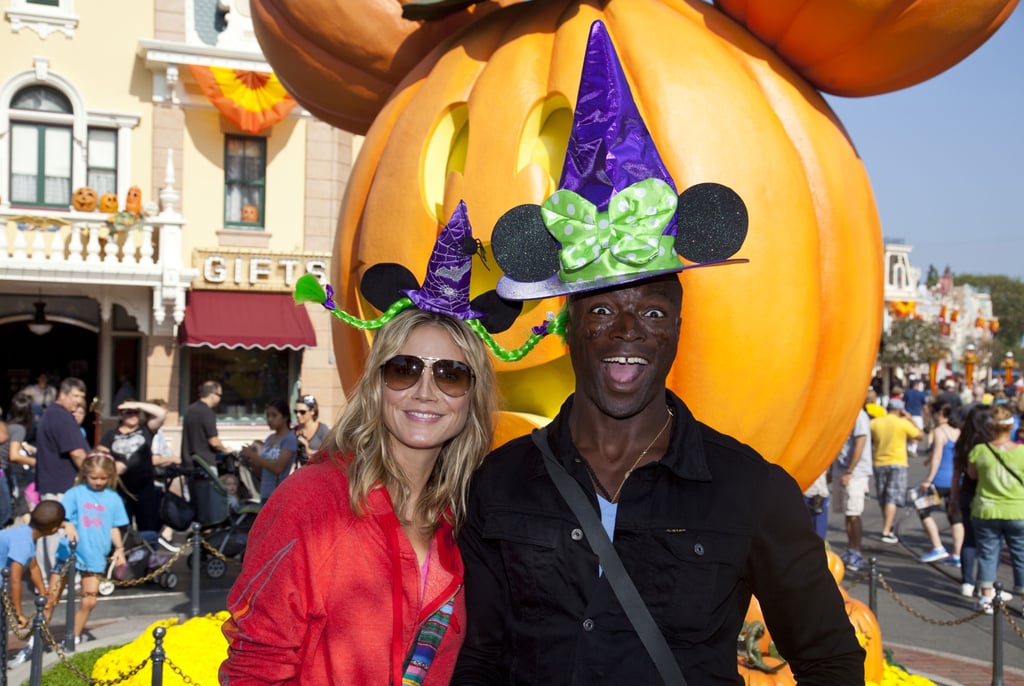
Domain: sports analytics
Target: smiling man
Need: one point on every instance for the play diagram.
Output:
(625, 487)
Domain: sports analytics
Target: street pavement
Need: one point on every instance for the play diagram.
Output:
(928, 628)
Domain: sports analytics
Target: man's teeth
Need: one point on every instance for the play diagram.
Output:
(625, 360)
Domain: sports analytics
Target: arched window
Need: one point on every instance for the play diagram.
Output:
(41, 147)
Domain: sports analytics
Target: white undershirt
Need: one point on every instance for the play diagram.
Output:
(608, 514)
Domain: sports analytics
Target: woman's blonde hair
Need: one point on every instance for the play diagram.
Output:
(98, 460)
(1002, 419)
(364, 441)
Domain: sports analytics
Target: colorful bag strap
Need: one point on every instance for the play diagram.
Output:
(424, 648)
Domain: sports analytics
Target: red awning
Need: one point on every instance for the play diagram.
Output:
(230, 319)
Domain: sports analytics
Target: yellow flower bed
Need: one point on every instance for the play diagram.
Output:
(196, 646)
(895, 675)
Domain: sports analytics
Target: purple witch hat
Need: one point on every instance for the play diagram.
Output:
(445, 287)
(616, 217)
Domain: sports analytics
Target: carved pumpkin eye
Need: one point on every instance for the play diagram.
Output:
(444, 153)
(545, 137)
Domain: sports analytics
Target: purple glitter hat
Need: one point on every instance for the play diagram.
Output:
(445, 287)
(616, 217)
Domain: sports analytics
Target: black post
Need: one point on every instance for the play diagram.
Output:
(5, 589)
(197, 565)
(158, 656)
(997, 635)
(69, 617)
(873, 585)
(36, 676)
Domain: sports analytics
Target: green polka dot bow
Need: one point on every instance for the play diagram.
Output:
(626, 237)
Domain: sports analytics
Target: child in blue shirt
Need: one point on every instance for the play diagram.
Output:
(94, 511)
(18, 550)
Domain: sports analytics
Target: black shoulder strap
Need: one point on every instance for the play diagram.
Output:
(618, 577)
(999, 457)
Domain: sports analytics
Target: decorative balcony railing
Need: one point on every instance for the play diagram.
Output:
(100, 248)
(56, 238)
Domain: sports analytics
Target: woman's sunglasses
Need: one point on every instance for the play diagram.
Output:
(453, 378)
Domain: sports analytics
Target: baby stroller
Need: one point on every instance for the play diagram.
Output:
(142, 557)
(225, 517)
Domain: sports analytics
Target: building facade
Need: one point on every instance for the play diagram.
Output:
(963, 314)
(151, 235)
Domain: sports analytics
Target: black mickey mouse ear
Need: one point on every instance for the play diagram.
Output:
(522, 245)
(499, 313)
(382, 284)
(712, 223)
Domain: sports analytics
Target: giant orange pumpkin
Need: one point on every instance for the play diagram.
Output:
(776, 352)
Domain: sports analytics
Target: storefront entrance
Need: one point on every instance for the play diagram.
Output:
(67, 350)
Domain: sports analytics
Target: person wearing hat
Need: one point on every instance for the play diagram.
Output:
(622, 543)
(889, 436)
(352, 574)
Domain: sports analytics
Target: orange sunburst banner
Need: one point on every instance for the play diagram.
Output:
(251, 99)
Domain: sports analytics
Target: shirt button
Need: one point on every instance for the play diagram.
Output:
(576, 535)
(588, 625)
(698, 548)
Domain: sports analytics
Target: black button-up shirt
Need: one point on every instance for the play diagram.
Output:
(698, 532)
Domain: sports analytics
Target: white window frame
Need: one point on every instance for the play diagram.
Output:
(43, 19)
(81, 119)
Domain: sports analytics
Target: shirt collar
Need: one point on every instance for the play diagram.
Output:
(685, 456)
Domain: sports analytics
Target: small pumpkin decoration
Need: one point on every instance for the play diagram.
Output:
(869, 634)
(133, 200)
(84, 199)
(108, 202)
(250, 214)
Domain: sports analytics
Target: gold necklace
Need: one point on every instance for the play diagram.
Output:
(597, 483)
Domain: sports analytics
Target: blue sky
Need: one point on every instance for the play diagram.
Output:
(946, 159)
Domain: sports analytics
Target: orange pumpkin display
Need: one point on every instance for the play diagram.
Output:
(761, 343)
(753, 358)
(84, 199)
(869, 633)
(108, 202)
(133, 201)
(250, 214)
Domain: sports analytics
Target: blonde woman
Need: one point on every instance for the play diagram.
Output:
(352, 574)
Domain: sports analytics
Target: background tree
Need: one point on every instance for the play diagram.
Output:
(932, 277)
(909, 342)
(1007, 304)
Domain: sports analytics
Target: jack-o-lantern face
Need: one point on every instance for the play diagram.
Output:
(250, 214)
(133, 201)
(108, 202)
(84, 199)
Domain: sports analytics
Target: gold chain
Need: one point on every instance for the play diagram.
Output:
(643, 453)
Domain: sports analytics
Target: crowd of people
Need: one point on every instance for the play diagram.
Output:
(970, 443)
(114, 482)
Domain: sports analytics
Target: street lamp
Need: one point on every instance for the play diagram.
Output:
(39, 324)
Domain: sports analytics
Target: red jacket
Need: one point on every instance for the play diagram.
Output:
(315, 601)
